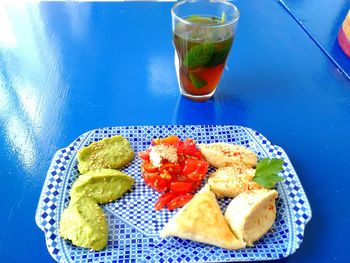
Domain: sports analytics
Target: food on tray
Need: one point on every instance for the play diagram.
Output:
(174, 168)
(231, 181)
(103, 185)
(114, 152)
(225, 154)
(201, 220)
(163, 152)
(251, 214)
(84, 223)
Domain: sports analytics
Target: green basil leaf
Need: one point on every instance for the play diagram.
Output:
(269, 166)
(219, 56)
(197, 82)
(261, 181)
(199, 55)
(268, 181)
(266, 172)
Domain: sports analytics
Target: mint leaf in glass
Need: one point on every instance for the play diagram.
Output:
(219, 56)
(197, 82)
(199, 55)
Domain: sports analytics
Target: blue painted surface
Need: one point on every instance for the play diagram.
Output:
(66, 68)
(323, 19)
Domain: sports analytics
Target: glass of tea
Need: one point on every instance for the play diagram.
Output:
(203, 33)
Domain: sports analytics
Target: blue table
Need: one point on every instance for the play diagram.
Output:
(321, 20)
(66, 68)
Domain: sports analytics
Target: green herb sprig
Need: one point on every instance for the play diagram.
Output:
(199, 55)
(266, 172)
(197, 82)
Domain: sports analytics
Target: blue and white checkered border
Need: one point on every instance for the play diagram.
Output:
(134, 225)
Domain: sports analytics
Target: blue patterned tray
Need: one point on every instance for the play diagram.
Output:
(134, 224)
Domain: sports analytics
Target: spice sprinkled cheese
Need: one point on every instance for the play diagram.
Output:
(225, 154)
(163, 152)
(231, 181)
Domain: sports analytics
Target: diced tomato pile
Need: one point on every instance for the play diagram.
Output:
(178, 181)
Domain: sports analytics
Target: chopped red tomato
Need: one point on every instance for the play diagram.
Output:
(166, 175)
(195, 169)
(179, 201)
(189, 147)
(196, 185)
(176, 181)
(195, 176)
(157, 182)
(170, 140)
(147, 167)
(172, 168)
(182, 187)
(198, 155)
(145, 155)
(202, 167)
(163, 200)
(179, 147)
(189, 166)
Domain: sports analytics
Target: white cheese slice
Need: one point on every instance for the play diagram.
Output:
(226, 154)
(163, 152)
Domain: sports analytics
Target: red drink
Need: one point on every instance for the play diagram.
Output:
(202, 52)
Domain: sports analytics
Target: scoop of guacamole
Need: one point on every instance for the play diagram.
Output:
(113, 152)
(84, 223)
(103, 185)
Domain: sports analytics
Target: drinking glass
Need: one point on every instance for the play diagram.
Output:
(203, 33)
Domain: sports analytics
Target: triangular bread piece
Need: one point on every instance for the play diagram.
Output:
(201, 220)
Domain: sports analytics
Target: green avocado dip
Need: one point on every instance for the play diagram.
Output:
(114, 152)
(84, 223)
(103, 185)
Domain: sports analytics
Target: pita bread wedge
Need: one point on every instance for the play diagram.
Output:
(226, 154)
(251, 214)
(231, 181)
(201, 220)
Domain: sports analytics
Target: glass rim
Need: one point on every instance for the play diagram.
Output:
(225, 2)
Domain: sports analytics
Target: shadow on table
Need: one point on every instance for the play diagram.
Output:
(213, 111)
